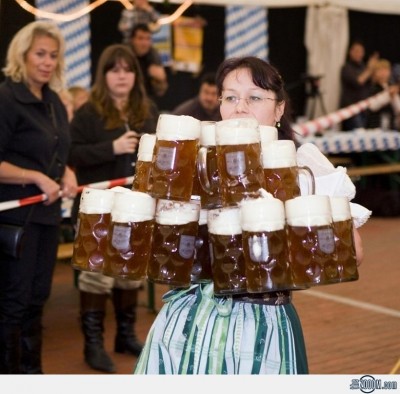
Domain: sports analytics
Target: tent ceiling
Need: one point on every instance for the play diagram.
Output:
(381, 6)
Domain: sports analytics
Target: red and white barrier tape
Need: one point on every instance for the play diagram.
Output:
(326, 121)
(4, 206)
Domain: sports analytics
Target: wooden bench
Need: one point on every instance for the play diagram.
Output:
(65, 251)
(376, 169)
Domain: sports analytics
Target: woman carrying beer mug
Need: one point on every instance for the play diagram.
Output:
(197, 332)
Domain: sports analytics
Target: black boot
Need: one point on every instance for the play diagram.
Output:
(31, 342)
(9, 348)
(92, 319)
(125, 302)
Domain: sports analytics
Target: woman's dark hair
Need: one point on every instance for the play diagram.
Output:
(137, 106)
(265, 76)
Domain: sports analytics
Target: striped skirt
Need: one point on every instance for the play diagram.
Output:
(197, 333)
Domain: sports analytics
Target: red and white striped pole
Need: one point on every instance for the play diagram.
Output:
(4, 206)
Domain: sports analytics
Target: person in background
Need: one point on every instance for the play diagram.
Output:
(205, 106)
(355, 77)
(34, 144)
(68, 101)
(155, 77)
(197, 332)
(79, 96)
(141, 13)
(105, 137)
(385, 117)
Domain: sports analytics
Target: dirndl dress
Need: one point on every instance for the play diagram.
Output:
(196, 332)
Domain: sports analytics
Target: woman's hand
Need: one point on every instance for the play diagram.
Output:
(69, 184)
(48, 186)
(127, 143)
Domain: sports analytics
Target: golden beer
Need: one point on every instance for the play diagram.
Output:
(142, 181)
(201, 271)
(267, 261)
(172, 254)
(312, 255)
(240, 172)
(90, 244)
(173, 169)
(228, 265)
(345, 250)
(128, 249)
(282, 183)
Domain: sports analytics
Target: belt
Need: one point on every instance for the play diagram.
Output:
(271, 298)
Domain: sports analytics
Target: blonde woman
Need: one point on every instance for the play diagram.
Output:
(34, 144)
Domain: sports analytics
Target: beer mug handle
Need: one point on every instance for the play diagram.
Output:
(202, 171)
(310, 178)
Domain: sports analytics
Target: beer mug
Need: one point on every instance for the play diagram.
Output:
(130, 235)
(344, 239)
(175, 154)
(90, 244)
(174, 240)
(267, 135)
(207, 169)
(281, 171)
(201, 271)
(239, 159)
(227, 259)
(311, 240)
(142, 181)
(265, 248)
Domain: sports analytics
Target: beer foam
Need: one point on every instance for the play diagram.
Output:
(306, 211)
(340, 208)
(96, 201)
(224, 221)
(262, 214)
(119, 189)
(267, 135)
(133, 207)
(146, 147)
(177, 127)
(169, 212)
(237, 131)
(279, 154)
(203, 217)
(207, 133)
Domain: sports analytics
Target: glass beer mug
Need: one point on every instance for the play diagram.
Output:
(265, 245)
(311, 240)
(201, 271)
(90, 244)
(227, 258)
(346, 263)
(281, 171)
(174, 241)
(207, 169)
(142, 181)
(175, 154)
(239, 159)
(130, 235)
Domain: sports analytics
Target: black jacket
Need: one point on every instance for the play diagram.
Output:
(31, 131)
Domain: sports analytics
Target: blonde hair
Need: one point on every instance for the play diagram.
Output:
(382, 63)
(21, 43)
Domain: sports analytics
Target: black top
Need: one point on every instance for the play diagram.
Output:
(351, 90)
(31, 130)
(374, 118)
(92, 154)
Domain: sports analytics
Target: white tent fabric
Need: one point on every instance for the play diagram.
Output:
(326, 40)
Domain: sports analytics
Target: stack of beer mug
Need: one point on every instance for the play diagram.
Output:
(217, 201)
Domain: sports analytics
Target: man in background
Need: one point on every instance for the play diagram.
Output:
(205, 106)
(153, 71)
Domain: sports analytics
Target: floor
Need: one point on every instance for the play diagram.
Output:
(350, 328)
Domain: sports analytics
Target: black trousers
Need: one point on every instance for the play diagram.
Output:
(26, 283)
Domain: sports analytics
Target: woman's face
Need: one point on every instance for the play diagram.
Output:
(263, 105)
(120, 80)
(41, 61)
